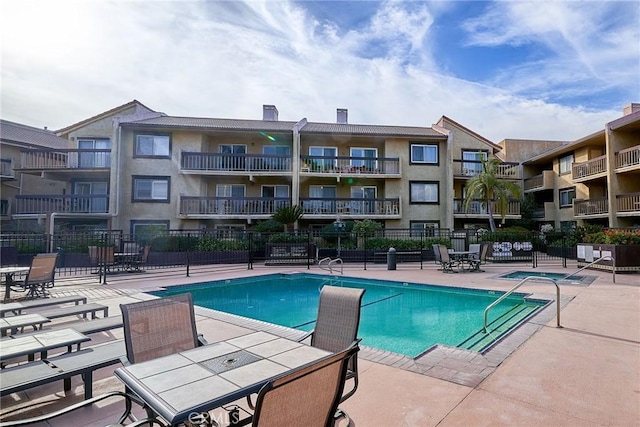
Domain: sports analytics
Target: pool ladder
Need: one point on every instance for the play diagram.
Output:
(526, 279)
(329, 264)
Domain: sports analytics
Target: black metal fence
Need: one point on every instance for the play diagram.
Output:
(105, 252)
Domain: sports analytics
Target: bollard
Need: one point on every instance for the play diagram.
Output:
(391, 259)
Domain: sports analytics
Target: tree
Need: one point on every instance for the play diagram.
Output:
(491, 190)
(288, 215)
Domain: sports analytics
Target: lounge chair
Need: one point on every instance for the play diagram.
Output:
(309, 396)
(159, 327)
(445, 260)
(40, 276)
(337, 326)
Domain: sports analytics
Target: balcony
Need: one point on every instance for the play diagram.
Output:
(628, 204)
(234, 164)
(374, 167)
(6, 169)
(477, 210)
(196, 207)
(628, 159)
(471, 168)
(65, 164)
(592, 169)
(541, 182)
(595, 207)
(351, 208)
(38, 204)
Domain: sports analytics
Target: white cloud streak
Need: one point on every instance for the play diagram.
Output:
(67, 60)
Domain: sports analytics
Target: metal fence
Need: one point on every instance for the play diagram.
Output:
(105, 252)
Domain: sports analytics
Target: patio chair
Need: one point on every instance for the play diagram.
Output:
(474, 264)
(445, 260)
(128, 401)
(436, 254)
(41, 275)
(141, 259)
(308, 397)
(159, 327)
(337, 326)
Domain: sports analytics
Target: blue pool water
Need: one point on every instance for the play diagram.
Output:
(398, 317)
(519, 275)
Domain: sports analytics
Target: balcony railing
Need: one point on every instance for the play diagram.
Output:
(346, 207)
(471, 168)
(589, 168)
(628, 157)
(6, 169)
(350, 165)
(243, 206)
(629, 202)
(225, 162)
(476, 208)
(595, 206)
(37, 204)
(66, 159)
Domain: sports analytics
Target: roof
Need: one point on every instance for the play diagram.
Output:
(567, 147)
(469, 131)
(20, 134)
(212, 124)
(102, 115)
(371, 130)
(630, 121)
(282, 126)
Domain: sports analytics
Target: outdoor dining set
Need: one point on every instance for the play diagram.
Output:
(174, 376)
(453, 261)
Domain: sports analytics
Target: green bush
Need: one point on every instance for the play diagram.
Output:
(209, 244)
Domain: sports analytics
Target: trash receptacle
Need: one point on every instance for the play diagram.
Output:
(391, 259)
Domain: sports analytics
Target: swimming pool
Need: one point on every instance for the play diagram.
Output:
(559, 277)
(399, 317)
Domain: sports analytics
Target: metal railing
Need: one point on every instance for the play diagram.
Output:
(343, 165)
(67, 203)
(228, 162)
(510, 291)
(628, 157)
(66, 159)
(589, 168)
(330, 262)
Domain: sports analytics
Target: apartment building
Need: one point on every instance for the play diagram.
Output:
(15, 183)
(131, 168)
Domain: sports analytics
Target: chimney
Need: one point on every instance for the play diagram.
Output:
(269, 113)
(342, 116)
(631, 108)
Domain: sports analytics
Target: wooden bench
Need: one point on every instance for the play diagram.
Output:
(76, 310)
(17, 307)
(62, 367)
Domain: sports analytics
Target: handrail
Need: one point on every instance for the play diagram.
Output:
(604, 258)
(331, 261)
(510, 291)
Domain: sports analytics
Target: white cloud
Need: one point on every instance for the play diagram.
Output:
(76, 59)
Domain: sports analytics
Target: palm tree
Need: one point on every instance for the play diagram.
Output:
(288, 215)
(491, 190)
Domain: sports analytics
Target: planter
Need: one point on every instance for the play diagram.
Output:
(624, 257)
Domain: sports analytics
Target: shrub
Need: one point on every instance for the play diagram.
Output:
(613, 237)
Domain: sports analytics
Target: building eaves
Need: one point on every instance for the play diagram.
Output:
(370, 130)
(28, 136)
(212, 124)
(631, 120)
(102, 115)
(566, 148)
(469, 131)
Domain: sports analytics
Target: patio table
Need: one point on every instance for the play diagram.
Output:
(9, 272)
(13, 323)
(40, 343)
(213, 375)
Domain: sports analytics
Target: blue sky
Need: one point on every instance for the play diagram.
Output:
(506, 69)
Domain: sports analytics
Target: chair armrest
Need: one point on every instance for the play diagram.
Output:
(306, 336)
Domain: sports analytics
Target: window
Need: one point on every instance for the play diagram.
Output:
(424, 192)
(236, 161)
(565, 164)
(566, 197)
(276, 163)
(424, 153)
(101, 159)
(424, 228)
(147, 229)
(4, 207)
(473, 164)
(368, 204)
(275, 191)
(151, 188)
(326, 192)
(152, 146)
(364, 158)
(568, 226)
(96, 193)
(329, 160)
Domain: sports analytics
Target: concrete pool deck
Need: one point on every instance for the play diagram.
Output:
(586, 373)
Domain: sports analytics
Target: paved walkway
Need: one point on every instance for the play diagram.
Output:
(586, 373)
